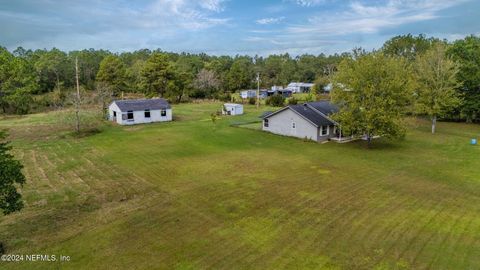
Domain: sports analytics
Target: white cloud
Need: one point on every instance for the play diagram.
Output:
(340, 28)
(361, 18)
(309, 3)
(270, 20)
(99, 24)
(188, 14)
(201, 25)
(213, 5)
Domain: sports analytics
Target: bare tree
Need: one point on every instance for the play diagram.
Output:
(104, 94)
(206, 81)
(258, 90)
(329, 69)
(77, 99)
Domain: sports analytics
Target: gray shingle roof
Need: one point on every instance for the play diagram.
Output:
(324, 107)
(142, 104)
(314, 112)
(312, 115)
(265, 114)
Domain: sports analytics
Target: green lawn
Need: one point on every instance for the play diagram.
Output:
(193, 195)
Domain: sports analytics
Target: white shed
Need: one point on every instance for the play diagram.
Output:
(232, 109)
(139, 111)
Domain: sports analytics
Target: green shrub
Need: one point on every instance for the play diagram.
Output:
(20, 101)
(275, 101)
(310, 97)
(252, 101)
(292, 101)
(224, 97)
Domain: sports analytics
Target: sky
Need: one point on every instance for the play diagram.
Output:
(230, 27)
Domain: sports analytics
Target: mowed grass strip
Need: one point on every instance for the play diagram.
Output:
(192, 194)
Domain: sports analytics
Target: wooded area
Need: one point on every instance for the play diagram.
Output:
(38, 79)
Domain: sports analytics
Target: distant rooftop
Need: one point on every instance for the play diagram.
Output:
(300, 84)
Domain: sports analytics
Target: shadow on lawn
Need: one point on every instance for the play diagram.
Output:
(380, 144)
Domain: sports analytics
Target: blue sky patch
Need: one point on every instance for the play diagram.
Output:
(230, 26)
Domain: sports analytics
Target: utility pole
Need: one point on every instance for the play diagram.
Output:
(77, 103)
(258, 89)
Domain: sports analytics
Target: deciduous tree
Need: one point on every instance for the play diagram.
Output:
(436, 94)
(372, 91)
(408, 46)
(467, 53)
(17, 82)
(53, 68)
(206, 83)
(241, 74)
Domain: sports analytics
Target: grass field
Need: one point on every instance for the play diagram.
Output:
(191, 195)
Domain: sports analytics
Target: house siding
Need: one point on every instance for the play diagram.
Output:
(114, 108)
(138, 116)
(281, 124)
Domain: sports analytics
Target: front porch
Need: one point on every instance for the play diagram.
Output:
(340, 139)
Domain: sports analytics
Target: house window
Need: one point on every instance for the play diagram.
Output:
(147, 113)
(337, 131)
(163, 113)
(265, 122)
(324, 130)
(114, 114)
(130, 116)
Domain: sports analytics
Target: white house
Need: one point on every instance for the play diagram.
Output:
(232, 109)
(299, 87)
(310, 120)
(139, 111)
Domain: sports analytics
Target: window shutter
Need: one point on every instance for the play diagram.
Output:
(124, 116)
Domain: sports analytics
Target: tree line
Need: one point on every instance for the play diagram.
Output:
(47, 77)
(176, 76)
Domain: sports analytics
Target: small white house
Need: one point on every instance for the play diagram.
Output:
(306, 121)
(232, 109)
(139, 111)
